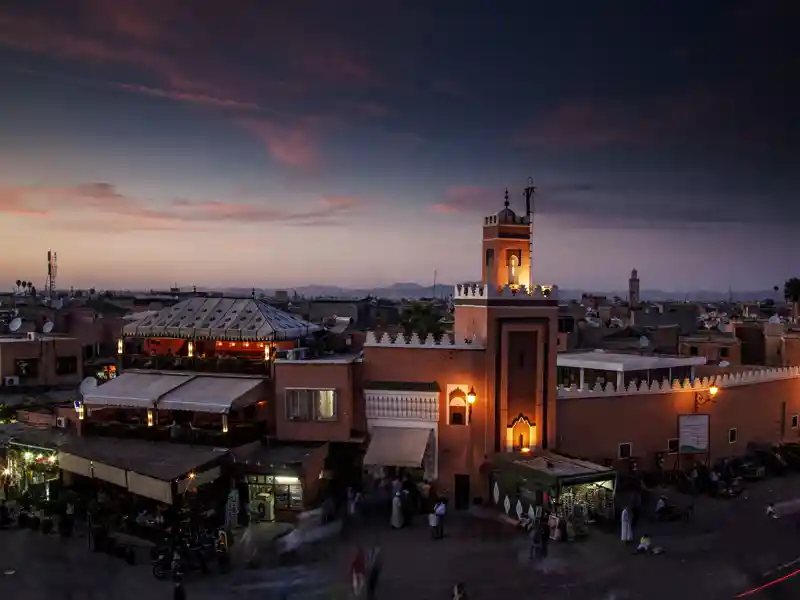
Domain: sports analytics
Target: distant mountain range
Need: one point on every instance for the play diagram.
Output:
(415, 290)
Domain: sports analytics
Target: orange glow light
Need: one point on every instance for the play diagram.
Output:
(525, 450)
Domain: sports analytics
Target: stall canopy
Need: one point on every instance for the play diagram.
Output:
(548, 470)
(397, 447)
(214, 394)
(143, 468)
(134, 390)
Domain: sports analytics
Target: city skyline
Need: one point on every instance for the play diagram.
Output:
(158, 142)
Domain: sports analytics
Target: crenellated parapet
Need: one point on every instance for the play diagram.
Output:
(399, 340)
(698, 385)
(479, 291)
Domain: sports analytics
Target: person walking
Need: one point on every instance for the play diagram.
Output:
(626, 535)
(374, 566)
(535, 535)
(358, 572)
(440, 510)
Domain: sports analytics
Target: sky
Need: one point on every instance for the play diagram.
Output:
(359, 143)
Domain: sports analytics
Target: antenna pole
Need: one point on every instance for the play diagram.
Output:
(434, 283)
(529, 192)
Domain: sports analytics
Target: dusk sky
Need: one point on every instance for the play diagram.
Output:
(273, 144)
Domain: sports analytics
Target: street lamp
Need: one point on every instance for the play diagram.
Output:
(471, 397)
(701, 399)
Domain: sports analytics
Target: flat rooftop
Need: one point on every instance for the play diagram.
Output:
(601, 360)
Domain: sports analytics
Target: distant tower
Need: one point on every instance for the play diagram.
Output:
(52, 271)
(633, 288)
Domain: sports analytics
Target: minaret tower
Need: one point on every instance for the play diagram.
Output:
(506, 248)
(633, 288)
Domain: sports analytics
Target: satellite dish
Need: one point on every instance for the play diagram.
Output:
(15, 325)
(48, 327)
(87, 385)
(724, 363)
(644, 342)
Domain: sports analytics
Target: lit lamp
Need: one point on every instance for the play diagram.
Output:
(266, 352)
(224, 423)
(471, 397)
(701, 399)
(120, 346)
(79, 409)
(150, 417)
(190, 349)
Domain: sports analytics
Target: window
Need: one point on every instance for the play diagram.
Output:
(724, 352)
(311, 405)
(457, 409)
(732, 435)
(672, 446)
(794, 421)
(66, 365)
(625, 450)
(489, 257)
(26, 368)
(286, 495)
(693, 351)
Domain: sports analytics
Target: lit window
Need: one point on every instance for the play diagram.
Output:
(325, 405)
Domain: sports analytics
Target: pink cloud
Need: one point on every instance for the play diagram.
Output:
(193, 98)
(294, 145)
(466, 198)
(101, 202)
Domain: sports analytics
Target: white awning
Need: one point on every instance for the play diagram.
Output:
(397, 447)
(74, 464)
(110, 474)
(134, 390)
(216, 395)
(148, 487)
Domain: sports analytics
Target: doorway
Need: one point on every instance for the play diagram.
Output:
(461, 492)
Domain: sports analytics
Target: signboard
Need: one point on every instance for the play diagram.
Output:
(693, 433)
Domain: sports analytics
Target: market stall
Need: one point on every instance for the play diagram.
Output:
(571, 493)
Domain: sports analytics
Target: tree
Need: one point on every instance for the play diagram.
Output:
(422, 319)
(791, 291)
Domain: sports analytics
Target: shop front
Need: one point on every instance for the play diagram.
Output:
(29, 471)
(571, 493)
(279, 482)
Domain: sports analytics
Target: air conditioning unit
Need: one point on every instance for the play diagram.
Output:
(61, 422)
(11, 381)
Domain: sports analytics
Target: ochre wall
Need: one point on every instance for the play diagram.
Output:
(592, 427)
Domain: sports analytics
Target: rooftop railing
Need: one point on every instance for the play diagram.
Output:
(237, 434)
(232, 365)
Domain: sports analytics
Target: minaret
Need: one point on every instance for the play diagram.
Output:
(633, 288)
(506, 248)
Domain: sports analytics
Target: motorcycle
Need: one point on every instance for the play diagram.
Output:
(179, 563)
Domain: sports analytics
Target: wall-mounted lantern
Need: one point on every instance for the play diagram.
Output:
(190, 349)
(150, 417)
(120, 346)
(471, 396)
(224, 423)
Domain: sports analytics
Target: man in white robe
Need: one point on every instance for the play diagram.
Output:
(627, 530)
(397, 512)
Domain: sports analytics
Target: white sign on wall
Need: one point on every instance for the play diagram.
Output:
(693, 433)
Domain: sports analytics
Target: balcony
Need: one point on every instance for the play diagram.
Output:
(237, 435)
(223, 364)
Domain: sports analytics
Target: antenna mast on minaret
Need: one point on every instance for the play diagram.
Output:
(530, 190)
(52, 271)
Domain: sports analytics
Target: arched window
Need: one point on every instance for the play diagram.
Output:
(457, 409)
(513, 270)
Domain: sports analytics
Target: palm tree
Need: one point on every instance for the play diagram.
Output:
(791, 291)
(422, 319)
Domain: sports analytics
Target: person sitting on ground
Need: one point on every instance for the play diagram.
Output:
(645, 543)
(771, 512)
